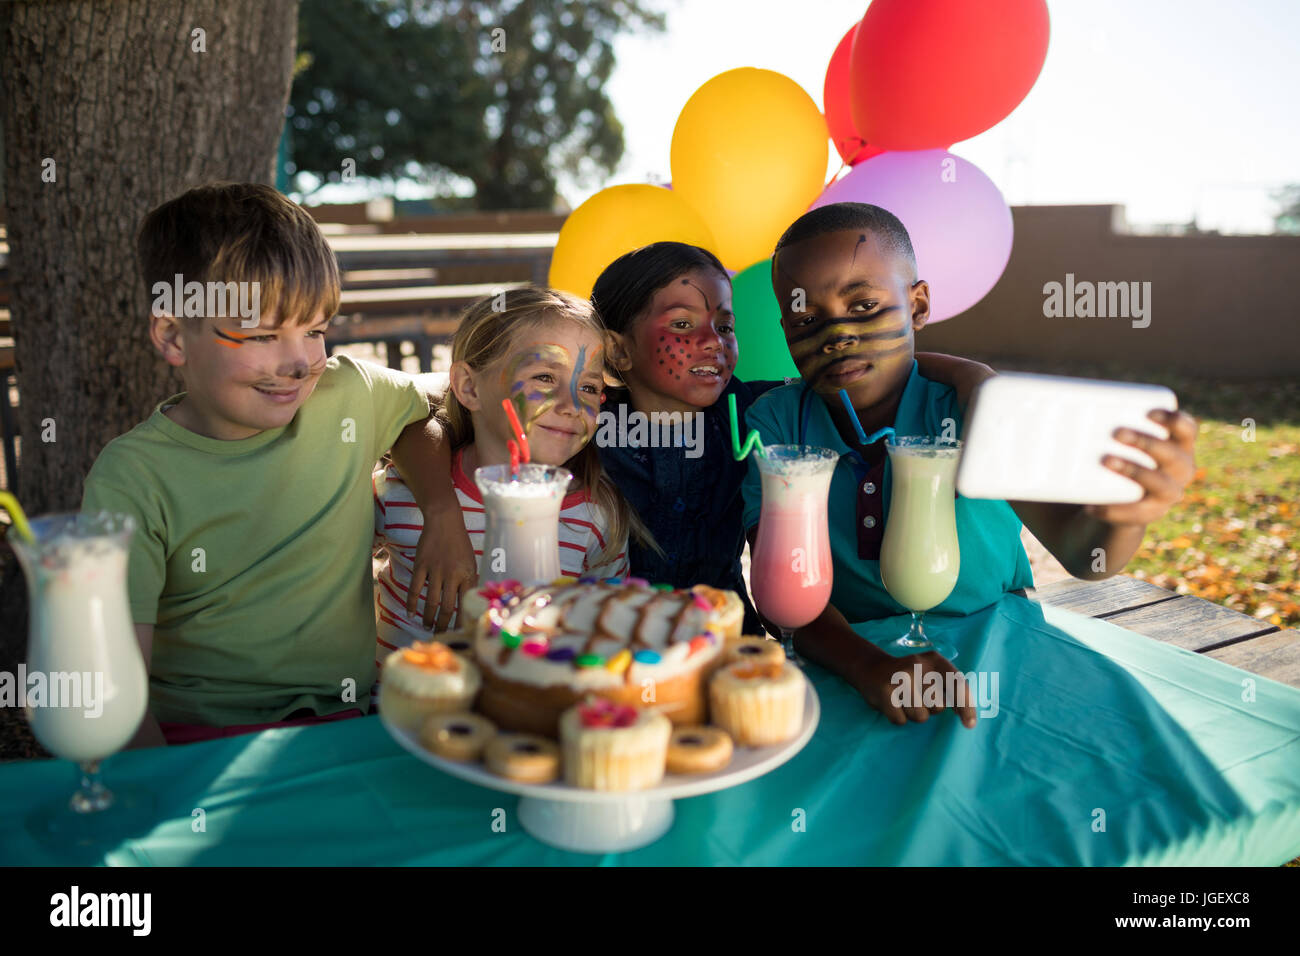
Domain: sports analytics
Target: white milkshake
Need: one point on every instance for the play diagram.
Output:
(522, 542)
(919, 557)
(81, 640)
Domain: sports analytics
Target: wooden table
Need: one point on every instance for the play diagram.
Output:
(1188, 622)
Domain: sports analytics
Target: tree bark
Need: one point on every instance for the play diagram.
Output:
(132, 114)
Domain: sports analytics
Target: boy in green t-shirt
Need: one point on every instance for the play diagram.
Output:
(845, 276)
(250, 571)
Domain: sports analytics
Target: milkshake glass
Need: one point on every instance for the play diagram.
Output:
(82, 644)
(920, 558)
(791, 569)
(522, 542)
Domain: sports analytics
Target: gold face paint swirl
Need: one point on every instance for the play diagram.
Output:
(540, 398)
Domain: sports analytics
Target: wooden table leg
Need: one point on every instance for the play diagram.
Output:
(393, 349)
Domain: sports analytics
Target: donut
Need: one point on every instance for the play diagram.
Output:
(758, 650)
(698, 750)
(524, 758)
(460, 737)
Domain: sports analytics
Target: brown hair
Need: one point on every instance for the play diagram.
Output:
(484, 336)
(243, 232)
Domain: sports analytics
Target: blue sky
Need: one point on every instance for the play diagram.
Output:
(1174, 108)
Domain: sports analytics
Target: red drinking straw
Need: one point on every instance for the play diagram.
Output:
(524, 454)
(514, 458)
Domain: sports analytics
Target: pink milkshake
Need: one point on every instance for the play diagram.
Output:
(791, 570)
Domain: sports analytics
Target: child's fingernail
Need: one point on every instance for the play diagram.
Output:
(1124, 434)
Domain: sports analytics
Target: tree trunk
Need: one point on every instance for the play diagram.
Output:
(132, 107)
(132, 112)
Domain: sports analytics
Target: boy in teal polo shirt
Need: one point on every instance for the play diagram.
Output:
(250, 573)
(845, 276)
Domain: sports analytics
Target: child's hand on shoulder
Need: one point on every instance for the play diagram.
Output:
(886, 683)
(1162, 486)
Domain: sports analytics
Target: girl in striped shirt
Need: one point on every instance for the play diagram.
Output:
(545, 350)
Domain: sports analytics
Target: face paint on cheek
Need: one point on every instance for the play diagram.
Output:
(233, 340)
(813, 353)
(542, 400)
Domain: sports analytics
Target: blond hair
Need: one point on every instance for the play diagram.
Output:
(243, 232)
(484, 336)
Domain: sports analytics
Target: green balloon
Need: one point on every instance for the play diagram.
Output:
(763, 352)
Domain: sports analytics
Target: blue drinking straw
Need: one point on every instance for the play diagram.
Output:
(857, 425)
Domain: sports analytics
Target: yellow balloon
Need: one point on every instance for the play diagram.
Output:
(617, 220)
(749, 153)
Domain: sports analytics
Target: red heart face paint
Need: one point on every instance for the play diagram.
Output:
(554, 377)
(684, 349)
(849, 314)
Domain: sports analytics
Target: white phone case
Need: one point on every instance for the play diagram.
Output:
(1042, 438)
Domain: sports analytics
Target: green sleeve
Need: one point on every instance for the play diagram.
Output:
(109, 487)
(396, 400)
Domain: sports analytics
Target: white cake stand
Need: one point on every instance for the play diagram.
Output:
(590, 821)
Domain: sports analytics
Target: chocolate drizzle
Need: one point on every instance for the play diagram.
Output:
(537, 598)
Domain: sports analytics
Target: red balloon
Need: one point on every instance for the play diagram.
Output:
(929, 73)
(849, 143)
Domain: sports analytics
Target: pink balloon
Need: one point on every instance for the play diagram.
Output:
(959, 223)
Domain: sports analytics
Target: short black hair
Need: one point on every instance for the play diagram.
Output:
(624, 290)
(852, 216)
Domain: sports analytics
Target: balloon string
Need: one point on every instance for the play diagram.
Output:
(831, 181)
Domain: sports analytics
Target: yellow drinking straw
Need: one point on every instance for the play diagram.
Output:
(11, 505)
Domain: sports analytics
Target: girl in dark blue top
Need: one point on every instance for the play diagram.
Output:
(665, 438)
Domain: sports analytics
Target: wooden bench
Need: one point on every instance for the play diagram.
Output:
(1185, 621)
(388, 293)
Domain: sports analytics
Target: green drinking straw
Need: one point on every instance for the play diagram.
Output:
(752, 443)
(11, 505)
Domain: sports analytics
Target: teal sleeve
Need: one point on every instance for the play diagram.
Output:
(106, 489)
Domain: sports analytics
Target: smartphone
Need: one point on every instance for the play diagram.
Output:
(1042, 438)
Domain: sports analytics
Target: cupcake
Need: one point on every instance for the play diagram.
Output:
(425, 679)
(609, 746)
(758, 703)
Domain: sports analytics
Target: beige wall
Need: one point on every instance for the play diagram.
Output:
(1221, 306)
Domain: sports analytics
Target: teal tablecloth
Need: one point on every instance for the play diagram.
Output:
(1092, 720)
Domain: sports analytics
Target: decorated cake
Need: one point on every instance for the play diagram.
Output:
(542, 649)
